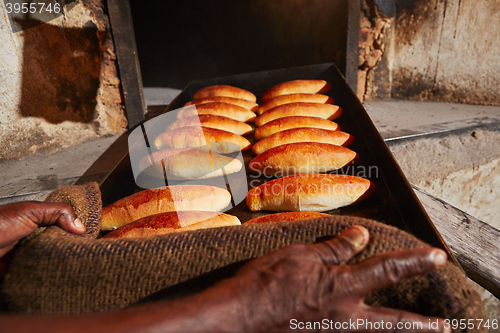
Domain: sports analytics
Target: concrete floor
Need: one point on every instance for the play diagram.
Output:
(400, 118)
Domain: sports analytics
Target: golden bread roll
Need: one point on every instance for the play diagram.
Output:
(293, 98)
(301, 157)
(166, 199)
(297, 87)
(215, 140)
(213, 121)
(225, 90)
(219, 109)
(302, 134)
(325, 111)
(309, 192)
(157, 158)
(189, 163)
(168, 222)
(283, 124)
(252, 106)
(288, 216)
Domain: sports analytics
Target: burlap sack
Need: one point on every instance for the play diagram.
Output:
(55, 272)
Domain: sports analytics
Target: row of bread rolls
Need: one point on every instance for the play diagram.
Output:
(209, 126)
(169, 209)
(300, 149)
(299, 143)
(192, 147)
(216, 119)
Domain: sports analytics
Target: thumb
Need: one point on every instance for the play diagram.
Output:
(343, 247)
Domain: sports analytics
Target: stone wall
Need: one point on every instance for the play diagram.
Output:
(59, 81)
(442, 50)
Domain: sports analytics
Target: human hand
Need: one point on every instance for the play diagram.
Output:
(284, 290)
(19, 219)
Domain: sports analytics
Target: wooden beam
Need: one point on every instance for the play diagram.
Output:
(474, 243)
(129, 70)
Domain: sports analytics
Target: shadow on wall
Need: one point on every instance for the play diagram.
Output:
(60, 71)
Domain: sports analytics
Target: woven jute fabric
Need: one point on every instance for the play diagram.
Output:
(54, 272)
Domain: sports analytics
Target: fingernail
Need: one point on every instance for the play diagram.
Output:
(440, 258)
(447, 329)
(355, 236)
(78, 223)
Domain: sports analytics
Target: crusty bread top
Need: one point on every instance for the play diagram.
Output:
(169, 198)
(199, 164)
(282, 124)
(309, 192)
(217, 140)
(301, 157)
(287, 216)
(225, 90)
(252, 106)
(302, 134)
(189, 163)
(169, 222)
(293, 98)
(325, 111)
(156, 158)
(220, 109)
(295, 87)
(213, 121)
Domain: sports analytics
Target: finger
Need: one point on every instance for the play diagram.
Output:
(40, 214)
(60, 214)
(391, 320)
(390, 268)
(343, 247)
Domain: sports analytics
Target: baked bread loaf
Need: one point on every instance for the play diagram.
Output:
(288, 216)
(301, 157)
(297, 87)
(168, 222)
(252, 106)
(213, 121)
(166, 199)
(302, 134)
(219, 109)
(293, 98)
(225, 90)
(325, 111)
(309, 192)
(189, 163)
(282, 124)
(157, 158)
(215, 140)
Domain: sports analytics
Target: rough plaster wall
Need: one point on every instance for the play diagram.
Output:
(447, 50)
(59, 84)
(374, 38)
(473, 190)
(463, 170)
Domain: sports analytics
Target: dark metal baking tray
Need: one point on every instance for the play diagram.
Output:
(393, 202)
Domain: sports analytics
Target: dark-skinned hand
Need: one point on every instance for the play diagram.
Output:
(19, 219)
(305, 283)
